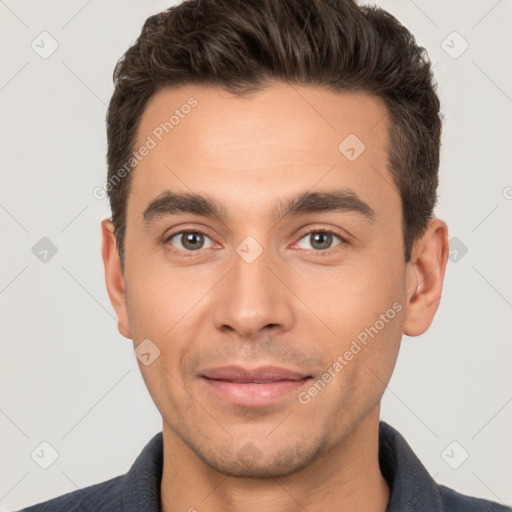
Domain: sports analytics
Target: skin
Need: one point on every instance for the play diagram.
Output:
(292, 307)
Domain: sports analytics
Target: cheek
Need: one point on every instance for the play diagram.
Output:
(167, 306)
(351, 297)
(362, 359)
(157, 295)
(363, 307)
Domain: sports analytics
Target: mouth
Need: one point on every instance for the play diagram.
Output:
(253, 387)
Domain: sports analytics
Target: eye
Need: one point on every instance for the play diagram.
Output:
(189, 241)
(320, 240)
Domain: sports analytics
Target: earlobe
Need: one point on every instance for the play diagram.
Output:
(425, 276)
(114, 278)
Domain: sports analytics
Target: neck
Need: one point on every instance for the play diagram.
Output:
(348, 477)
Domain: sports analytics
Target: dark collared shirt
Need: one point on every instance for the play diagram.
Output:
(412, 488)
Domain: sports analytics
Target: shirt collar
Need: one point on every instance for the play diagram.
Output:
(141, 487)
(411, 486)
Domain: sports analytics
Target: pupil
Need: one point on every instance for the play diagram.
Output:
(189, 240)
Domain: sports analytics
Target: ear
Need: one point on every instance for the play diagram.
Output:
(425, 276)
(114, 277)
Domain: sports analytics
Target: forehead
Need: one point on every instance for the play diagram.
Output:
(280, 139)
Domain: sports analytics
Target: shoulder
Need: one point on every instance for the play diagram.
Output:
(454, 501)
(102, 497)
(412, 487)
(138, 489)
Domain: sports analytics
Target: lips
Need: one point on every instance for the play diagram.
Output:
(257, 375)
(255, 387)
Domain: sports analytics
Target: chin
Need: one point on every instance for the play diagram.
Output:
(269, 462)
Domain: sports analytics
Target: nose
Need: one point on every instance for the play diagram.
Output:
(254, 297)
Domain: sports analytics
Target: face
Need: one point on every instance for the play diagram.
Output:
(275, 298)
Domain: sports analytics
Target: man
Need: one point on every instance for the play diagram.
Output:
(296, 144)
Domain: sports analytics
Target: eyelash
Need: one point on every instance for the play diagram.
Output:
(327, 252)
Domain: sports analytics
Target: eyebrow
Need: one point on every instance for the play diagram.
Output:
(339, 200)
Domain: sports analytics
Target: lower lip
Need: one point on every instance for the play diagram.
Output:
(253, 394)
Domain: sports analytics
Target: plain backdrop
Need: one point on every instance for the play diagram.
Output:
(69, 379)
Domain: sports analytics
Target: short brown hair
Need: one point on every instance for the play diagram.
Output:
(241, 46)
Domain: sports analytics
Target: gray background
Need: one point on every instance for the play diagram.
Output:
(68, 377)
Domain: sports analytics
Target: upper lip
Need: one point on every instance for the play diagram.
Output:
(261, 374)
